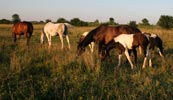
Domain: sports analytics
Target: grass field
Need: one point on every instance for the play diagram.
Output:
(35, 73)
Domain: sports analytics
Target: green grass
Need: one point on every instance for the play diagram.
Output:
(35, 73)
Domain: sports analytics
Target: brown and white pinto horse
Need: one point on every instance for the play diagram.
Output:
(102, 35)
(22, 28)
(126, 42)
(155, 41)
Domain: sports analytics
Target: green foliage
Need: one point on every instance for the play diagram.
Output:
(133, 23)
(48, 20)
(62, 20)
(78, 22)
(5, 21)
(165, 21)
(95, 23)
(15, 18)
(145, 22)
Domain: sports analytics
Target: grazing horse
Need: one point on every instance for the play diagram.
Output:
(91, 45)
(102, 35)
(155, 41)
(51, 29)
(22, 28)
(126, 42)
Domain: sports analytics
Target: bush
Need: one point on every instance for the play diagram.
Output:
(165, 21)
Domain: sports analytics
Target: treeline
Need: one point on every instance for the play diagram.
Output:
(165, 21)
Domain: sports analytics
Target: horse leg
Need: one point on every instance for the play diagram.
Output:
(149, 57)
(129, 51)
(145, 58)
(119, 60)
(67, 38)
(62, 43)
(140, 50)
(28, 38)
(14, 36)
(135, 55)
(128, 57)
(100, 50)
(49, 40)
(42, 38)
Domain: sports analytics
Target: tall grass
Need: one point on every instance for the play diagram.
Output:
(39, 74)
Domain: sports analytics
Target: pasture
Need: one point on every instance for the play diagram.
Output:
(36, 73)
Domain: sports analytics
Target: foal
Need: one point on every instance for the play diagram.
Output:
(125, 42)
(155, 41)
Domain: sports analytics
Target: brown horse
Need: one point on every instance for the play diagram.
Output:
(102, 35)
(22, 28)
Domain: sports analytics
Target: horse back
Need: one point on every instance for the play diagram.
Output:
(107, 33)
(22, 27)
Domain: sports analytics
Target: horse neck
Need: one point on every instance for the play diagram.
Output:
(158, 42)
(87, 40)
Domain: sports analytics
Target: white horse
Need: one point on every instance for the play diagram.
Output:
(51, 29)
(91, 45)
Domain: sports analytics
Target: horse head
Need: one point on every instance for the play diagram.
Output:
(80, 50)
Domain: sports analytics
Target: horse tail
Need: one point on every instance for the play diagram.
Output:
(65, 29)
(42, 36)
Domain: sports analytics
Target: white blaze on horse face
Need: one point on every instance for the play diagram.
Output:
(125, 39)
(85, 33)
(153, 35)
(160, 53)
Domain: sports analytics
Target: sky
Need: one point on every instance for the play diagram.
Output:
(123, 11)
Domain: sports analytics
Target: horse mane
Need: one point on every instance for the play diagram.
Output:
(90, 36)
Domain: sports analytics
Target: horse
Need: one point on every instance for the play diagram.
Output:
(22, 28)
(50, 29)
(155, 41)
(126, 42)
(102, 35)
(91, 45)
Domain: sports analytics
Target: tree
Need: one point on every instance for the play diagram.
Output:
(112, 21)
(48, 20)
(61, 20)
(145, 22)
(165, 21)
(78, 22)
(15, 18)
(5, 21)
(133, 23)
